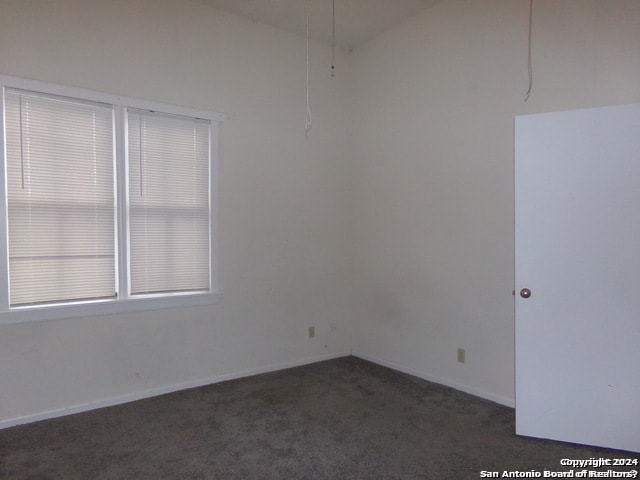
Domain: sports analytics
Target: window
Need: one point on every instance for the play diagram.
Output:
(168, 203)
(108, 204)
(60, 199)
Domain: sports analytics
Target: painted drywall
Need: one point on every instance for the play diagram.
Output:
(432, 190)
(406, 177)
(283, 222)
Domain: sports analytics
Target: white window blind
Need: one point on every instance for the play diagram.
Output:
(60, 199)
(108, 204)
(169, 203)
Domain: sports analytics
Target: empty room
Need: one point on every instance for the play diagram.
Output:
(359, 239)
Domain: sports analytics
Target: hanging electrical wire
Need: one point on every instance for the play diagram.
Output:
(307, 125)
(529, 48)
(333, 38)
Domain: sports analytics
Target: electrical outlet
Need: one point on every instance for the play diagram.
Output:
(312, 332)
(462, 355)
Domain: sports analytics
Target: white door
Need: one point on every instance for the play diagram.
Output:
(577, 177)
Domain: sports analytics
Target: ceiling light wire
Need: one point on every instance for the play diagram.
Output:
(307, 126)
(333, 38)
(530, 66)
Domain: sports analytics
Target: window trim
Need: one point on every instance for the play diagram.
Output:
(124, 303)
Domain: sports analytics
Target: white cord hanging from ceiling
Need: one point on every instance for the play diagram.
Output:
(308, 121)
(333, 38)
(529, 47)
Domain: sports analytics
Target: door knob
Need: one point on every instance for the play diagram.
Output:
(525, 293)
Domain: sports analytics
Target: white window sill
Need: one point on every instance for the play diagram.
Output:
(106, 307)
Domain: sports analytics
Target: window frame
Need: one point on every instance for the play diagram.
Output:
(124, 302)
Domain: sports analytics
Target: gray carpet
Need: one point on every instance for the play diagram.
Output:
(340, 419)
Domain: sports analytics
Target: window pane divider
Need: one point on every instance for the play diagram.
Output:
(122, 200)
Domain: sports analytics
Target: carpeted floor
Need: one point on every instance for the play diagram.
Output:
(340, 419)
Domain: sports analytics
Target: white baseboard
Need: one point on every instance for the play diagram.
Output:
(153, 392)
(502, 400)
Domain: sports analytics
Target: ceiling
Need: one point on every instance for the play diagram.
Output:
(356, 21)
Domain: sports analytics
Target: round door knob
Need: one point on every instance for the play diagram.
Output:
(525, 293)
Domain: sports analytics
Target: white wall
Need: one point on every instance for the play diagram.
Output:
(419, 199)
(433, 174)
(284, 252)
